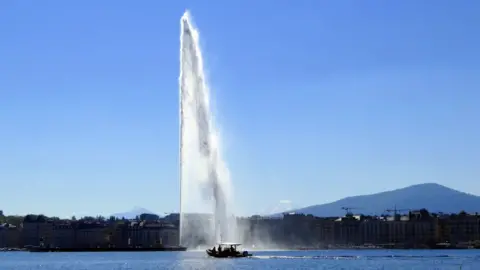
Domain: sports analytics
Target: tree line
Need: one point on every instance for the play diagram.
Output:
(17, 220)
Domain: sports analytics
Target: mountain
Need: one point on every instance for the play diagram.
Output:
(136, 211)
(433, 197)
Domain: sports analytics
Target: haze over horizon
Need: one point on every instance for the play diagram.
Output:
(316, 101)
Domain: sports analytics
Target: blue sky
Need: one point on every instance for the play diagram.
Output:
(316, 100)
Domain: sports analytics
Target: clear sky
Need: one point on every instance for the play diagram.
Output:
(317, 100)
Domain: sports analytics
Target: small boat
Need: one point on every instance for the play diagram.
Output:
(227, 250)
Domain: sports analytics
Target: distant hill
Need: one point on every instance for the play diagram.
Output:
(136, 211)
(433, 197)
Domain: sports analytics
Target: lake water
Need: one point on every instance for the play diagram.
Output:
(333, 259)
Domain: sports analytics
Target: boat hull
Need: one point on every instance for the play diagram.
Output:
(228, 255)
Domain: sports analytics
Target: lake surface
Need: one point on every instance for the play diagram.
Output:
(333, 259)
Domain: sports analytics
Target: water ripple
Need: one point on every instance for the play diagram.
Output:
(332, 260)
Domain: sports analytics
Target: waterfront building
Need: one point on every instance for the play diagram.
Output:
(9, 236)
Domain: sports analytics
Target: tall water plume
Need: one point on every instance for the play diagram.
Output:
(206, 191)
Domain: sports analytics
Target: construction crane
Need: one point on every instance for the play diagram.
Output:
(395, 210)
(347, 210)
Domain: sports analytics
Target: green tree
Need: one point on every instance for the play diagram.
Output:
(424, 214)
(14, 220)
(2, 217)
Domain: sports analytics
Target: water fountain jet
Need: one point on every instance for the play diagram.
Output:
(205, 187)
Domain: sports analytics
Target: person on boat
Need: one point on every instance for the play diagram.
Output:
(219, 249)
(214, 250)
(232, 250)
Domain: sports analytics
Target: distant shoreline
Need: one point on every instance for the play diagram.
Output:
(12, 249)
(43, 249)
